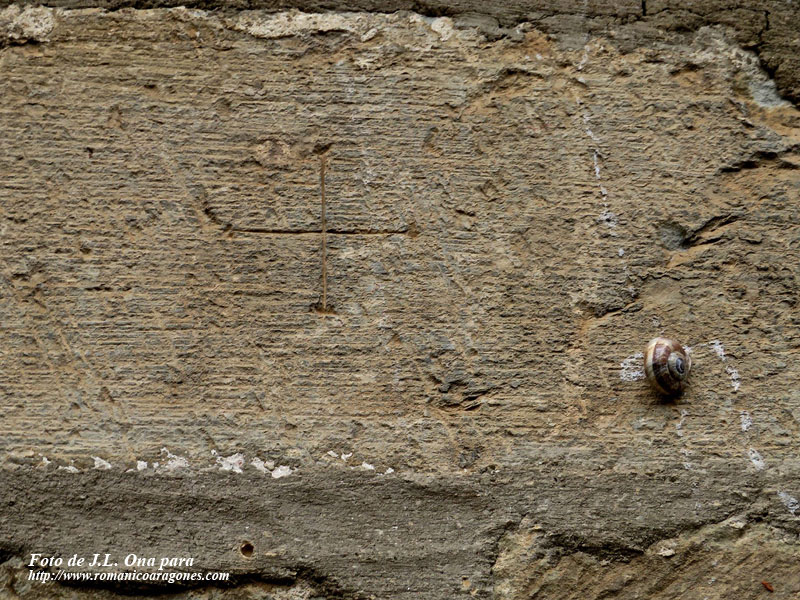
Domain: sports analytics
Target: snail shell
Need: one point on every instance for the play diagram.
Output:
(667, 365)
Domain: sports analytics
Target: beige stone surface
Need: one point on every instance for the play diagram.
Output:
(369, 291)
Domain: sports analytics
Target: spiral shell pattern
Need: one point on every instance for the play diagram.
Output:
(666, 366)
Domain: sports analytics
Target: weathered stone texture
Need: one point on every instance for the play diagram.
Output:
(434, 391)
(771, 28)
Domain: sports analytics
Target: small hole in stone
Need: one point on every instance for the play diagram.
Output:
(246, 549)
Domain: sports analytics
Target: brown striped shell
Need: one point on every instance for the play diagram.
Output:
(666, 366)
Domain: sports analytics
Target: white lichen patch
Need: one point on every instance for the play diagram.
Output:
(607, 218)
(260, 465)
(444, 27)
(718, 348)
(101, 464)
(282, 471)
(292, 23)
(233, 463)
(632, 368)
(666, 552)
(747, 421)
(687, 463)
(792, 504)
(713, 44)
(755, 458)
(679, 424)
(410, 31)
(765, 93)
(733, 374)
(736, 380)
(141, 465)
(31, 23)
(174, 462)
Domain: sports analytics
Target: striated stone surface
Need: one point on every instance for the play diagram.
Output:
(369, 292)
(770, 28)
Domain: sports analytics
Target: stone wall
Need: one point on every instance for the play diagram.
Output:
(348, 299)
